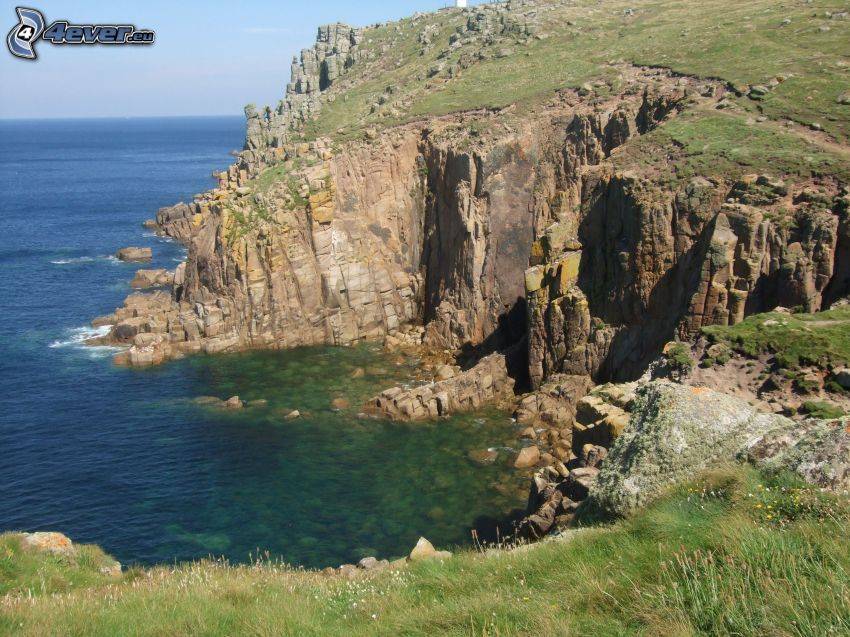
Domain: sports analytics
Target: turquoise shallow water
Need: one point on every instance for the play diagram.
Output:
(329, 487)
(124, 458)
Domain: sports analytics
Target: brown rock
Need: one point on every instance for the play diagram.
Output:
(424, 550)
(134, 254)
(234, 402)
(483, 456)
(340, 403)
(592, 455)
(527, 457)
(151, 278)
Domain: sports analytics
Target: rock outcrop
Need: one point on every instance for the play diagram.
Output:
(467, 391)
(313, 73)
(674, 432)
(491, 231)
(134, 254)
(666, 432)
(816, 450)
(152, 278)
(49, 542)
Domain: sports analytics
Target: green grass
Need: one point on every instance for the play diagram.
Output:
(741, 43)
(821, 409)
(732, 553)
(724, 143)
(26, 571)
(821, 339)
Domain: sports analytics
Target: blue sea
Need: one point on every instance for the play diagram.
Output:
(124, 458)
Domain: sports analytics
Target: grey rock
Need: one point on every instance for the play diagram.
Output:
(816, 450)
(675, 431)
(842, 377)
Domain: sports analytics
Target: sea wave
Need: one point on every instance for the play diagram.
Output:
(111, 258)
(77, 336)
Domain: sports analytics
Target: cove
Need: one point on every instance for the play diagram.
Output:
(124, 458)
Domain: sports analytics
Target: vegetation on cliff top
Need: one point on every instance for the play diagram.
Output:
(732, 553)
(786, 61)
(821, 339)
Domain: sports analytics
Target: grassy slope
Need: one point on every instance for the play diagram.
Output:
(821, 339)
(731, 553)
(741, 43)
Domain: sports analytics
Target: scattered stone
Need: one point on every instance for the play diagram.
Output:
(358, 373)
(134, 254)
(151, 278)
(372, 564)
(579, 482)
(260, 402)
(487, 382)
(444, 372)
(349, 571)
(234, 402)
(592, 455)
(49, 542)
(527, 457)
(113, 570)
(758, 91)
(424, 550)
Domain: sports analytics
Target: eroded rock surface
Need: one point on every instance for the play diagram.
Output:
(674, 432)
(467, 391)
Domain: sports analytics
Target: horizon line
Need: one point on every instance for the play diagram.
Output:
(67, 117)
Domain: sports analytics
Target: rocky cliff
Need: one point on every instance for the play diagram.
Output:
(553, 230)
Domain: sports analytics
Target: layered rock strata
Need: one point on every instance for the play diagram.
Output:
(528, 233)
(469, 390)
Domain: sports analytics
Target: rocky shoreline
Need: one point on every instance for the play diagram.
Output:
(532, 259)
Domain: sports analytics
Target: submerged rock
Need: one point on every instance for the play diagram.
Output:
(483, 456)
(234, 402)
(338, 404)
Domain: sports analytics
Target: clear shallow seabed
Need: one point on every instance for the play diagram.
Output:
(124, 458)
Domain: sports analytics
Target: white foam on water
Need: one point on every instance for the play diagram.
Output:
(77, 336)
(111, 258)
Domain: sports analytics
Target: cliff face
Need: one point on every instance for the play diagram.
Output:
(493, 231)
